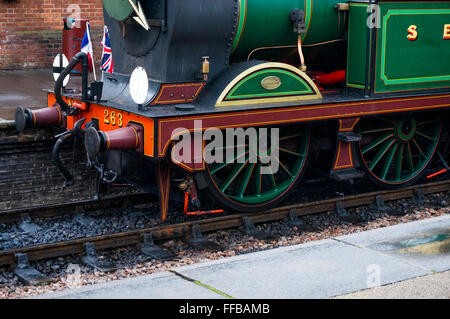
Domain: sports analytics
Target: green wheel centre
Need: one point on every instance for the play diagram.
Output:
(243, 182)
(397, 150)
(406, 129)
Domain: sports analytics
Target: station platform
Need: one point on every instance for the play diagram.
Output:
(403, 261)
(27, 88)
(23, 88)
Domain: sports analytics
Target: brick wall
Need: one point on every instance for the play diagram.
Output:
(31, 30)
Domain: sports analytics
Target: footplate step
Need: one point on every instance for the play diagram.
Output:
(92, 259)
(148, 248)
(199, 242)
(27, 274)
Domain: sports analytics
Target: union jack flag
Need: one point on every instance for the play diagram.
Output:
(107, 59)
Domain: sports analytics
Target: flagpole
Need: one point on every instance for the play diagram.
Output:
(107, 61)
(91, 49)
(103, 52)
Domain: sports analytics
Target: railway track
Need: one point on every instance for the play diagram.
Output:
(28, 177)
(117, 201)
(165, 232)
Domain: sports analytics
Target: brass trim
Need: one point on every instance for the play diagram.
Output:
(137, 136)
(271, 83)
(221, 103)
(342, 6)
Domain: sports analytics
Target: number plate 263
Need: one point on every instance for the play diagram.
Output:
(113, 118)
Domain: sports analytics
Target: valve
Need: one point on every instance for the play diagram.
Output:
(298, 19)
(205, 67)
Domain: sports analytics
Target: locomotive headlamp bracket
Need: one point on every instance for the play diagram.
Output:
(298, 19)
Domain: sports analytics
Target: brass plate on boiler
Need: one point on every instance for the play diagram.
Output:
(271, 83)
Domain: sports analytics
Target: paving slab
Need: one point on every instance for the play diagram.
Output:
(27, 88)
(424, 243)
(436, 286)
(163, 285)
(392, 233)
(321, 269)
(23, 88)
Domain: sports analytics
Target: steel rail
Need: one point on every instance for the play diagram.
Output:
(164, 232)
(117, 201)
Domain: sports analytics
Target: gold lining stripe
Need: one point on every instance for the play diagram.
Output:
(338, 156)
(221, 100)
(59, 115)
(108, 143)
(348, 129)
(137, 136)
(344, 115)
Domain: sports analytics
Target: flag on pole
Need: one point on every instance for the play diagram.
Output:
(107, 59)
(86, 47)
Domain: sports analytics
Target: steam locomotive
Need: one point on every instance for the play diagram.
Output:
(366, 81)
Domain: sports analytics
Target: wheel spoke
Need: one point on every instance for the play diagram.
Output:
(230, 147)
(233, 175)
(291, 152)
(218, 168)
(272, 179)
(428, 122)
(258, 179)
(399, 162)
(380, 154)
(409, 159)
(418, 147)
(377, 142)
(291, 136)
(426, 136)
(388, 161)
(284, 167)
(247, 178)
(378, 130)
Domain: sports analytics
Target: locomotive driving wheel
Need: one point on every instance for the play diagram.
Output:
(249, 183)
(396, 150)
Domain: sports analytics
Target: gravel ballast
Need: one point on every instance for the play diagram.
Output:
(69, 272)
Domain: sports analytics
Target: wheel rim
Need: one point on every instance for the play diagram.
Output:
(243, 184)
(397, 150)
